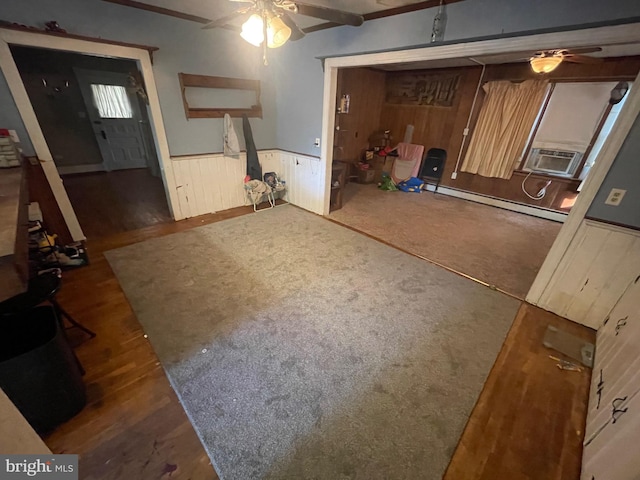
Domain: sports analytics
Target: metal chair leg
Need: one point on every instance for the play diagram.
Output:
(63, 313)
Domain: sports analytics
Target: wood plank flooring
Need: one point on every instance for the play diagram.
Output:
(529, 420)
(527, 423)
(118, 201)
(133, 427)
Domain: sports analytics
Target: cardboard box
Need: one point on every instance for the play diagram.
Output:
(366, 176)
(381, 165)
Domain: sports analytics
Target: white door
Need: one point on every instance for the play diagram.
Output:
(115, 115)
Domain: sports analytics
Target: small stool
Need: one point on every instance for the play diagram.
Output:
(42, 288)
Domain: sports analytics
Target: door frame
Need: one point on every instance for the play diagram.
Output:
(23, 103)
(607, 35)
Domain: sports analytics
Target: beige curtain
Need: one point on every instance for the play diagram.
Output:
(504, 125)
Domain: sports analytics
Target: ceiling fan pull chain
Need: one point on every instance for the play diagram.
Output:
(264, 32)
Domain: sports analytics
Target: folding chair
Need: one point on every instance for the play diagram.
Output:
(433, 166)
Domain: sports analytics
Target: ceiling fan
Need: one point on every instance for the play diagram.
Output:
(548, 60)
(271, 19)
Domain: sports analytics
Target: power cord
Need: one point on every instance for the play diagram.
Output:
(541, 193)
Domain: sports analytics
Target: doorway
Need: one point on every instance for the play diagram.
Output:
(94, 116)
(621, 36)
(430, 107)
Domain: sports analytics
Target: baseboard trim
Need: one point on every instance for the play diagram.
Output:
(73, 169)
(496, 202)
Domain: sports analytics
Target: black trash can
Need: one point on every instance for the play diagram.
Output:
(38, 370)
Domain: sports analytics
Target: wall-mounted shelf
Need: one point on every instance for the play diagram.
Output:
(188, 80)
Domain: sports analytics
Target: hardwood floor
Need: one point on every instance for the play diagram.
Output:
(118, 201)
(529, 420)
(133, 426)
(527, 423)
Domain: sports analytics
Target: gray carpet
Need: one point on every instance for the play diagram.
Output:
(303, 350)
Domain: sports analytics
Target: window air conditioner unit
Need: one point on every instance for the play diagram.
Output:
(554, 162)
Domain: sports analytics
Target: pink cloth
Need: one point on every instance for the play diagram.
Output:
(407, 164)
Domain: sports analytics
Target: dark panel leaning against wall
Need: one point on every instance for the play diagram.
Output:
(624, 174)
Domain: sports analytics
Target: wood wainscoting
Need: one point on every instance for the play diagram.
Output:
(602, 261)
(213, 182)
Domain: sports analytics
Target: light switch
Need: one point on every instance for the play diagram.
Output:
(615, 197)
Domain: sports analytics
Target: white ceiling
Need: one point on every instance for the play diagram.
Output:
(213, 9)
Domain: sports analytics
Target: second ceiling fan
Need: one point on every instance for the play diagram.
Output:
(547, 60)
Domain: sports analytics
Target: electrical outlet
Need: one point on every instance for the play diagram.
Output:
(454, 175)
(316, 143)
(615, 197)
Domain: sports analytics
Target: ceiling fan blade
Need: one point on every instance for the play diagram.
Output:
(580, 51)
(296, 32)
(222, 21)
(330, 14)
(581, 59)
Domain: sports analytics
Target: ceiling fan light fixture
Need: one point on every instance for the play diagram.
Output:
(277, 32)
(252, 30)
(545, 63)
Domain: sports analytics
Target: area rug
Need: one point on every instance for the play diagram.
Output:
(303, 350)
(499, 247)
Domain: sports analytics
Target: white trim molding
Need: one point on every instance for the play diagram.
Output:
(19, 93)
(601, 36)
(504, 204)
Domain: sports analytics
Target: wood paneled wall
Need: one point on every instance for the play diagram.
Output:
(434, 127)
(442, 127)
(365, 86)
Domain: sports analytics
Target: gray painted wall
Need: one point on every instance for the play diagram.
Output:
(293, 82)
(184, 47)
(624, 174)
(299, 73)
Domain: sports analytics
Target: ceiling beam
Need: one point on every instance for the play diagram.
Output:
(160, 10)
(321, 26)
(167, 11)
(389, 12)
